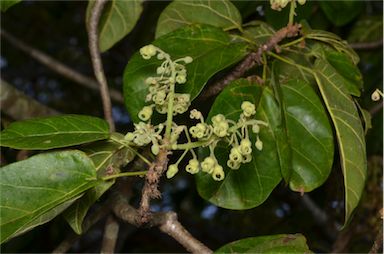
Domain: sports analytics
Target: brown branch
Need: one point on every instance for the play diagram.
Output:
(167, 223)
(367, 45)
(20, 106)
(111, 233)
(252, 59)
(150, 189)
(57, 66)
(378, 244)
(89, 221)
(93, 40)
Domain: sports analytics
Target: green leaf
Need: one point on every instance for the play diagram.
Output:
(268, 244)
(258, 32)
(250, 185)
(218, 13)
(345, 67)
(118, 19)
(310, 136)
(107, 156)
(30, 189)
(5, 4)
(54, 132)
(366, 116)
(75, 214)
(349, 132)
(332, 40)
(367, 29)
(341, 12)
(211, 49)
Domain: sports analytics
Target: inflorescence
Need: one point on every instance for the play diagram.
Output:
(163, 98)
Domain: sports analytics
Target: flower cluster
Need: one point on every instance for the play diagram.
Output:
(280, 4)
(161, 87)
(144, 134)
(223, 129)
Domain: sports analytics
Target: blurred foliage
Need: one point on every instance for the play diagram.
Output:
(58, 28)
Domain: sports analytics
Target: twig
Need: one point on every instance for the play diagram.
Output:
(57, 66)
(378, 244)
(89, 221)
(167, 223)
(20, 106)
(93, 43)
(252, 59)
(111, 234)
(367, 45)
(150, 189)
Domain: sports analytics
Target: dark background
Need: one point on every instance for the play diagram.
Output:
(58, 29)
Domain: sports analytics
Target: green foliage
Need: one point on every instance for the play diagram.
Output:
(107, 157)
(251, 184)
(212, 50)
(309, 135)
(218, 13)
(341, 12)
(35, 190)
(349, 132)
(268, 244)
(5, 4)
(54, 132)
(304, 95)
(117, 20)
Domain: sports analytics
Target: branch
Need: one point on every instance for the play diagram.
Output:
(111, 233)
(150, 189)
(57, 66)
(93, 38)
(378, 244)
(89, 221)
(20, 106)
(367, 45)
(167, 223)
(252, 59)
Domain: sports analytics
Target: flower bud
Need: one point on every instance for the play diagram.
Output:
(181, 79)
(208, 164)
(236, 155)
(145, 113)
(172, 171)
(221, 129)
(218, 118)
(256, 128)
(245, 147)
(376, 95)
(248, 108)
(195, 114)
(233, 165)
(259, 144)
(301, 2)
(148, 51)
(129, 136)
(218, 173)
(193, 166)
(155, 149)
(188, 59)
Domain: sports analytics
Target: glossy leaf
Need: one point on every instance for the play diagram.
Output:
(345, 67)
(349, 132)
(341, 12)
(31, 188)
(119, 17)
(250, 185)
(54, 132)
(218, 13)
(268, 244)
(6, 4)
(108, 157)
(367, 29)
(258, 32)
(310, 136)
(211, 49)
